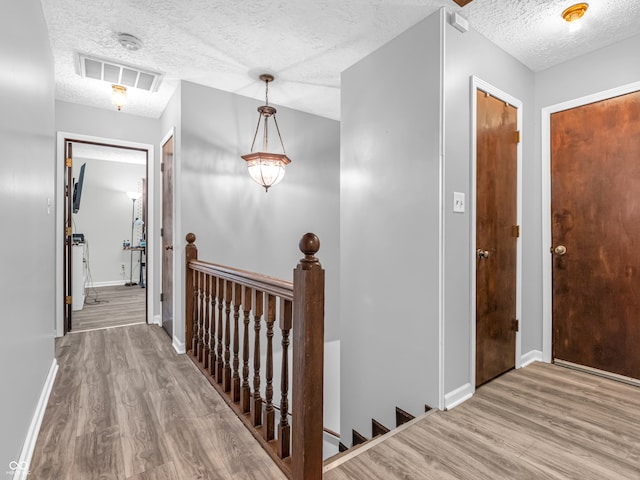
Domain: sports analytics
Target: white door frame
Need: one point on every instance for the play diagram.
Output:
(477, 83)
(547, 292)
(150, 254)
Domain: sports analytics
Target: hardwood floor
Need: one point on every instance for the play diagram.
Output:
(540, 422)
(110, 307)
(125, 406)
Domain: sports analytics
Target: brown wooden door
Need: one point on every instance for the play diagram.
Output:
(167, 236)
(68, 231)
(595, 208)
(496, 241)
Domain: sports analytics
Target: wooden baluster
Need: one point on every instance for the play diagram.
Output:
(269, 410)
(308, 357)
(235, 379)
(256, 405)
(197, 300)
(206, 322)
(245, 390)
(284, 430)
(212, 322)
(226, 382)
(201, 323)
(219, 359)
(191, 253)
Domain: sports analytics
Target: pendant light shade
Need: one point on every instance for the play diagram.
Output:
(118, 96)
(266, 168)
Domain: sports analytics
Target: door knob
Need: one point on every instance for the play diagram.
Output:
(169, 247)
(482, 253)
(559, 250)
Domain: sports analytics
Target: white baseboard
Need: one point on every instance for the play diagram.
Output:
(109, 283)
(530, 357)
(178, 346)
(34, 429)
(157, 320)
(457, 396)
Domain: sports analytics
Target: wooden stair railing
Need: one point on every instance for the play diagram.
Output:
(219, 301)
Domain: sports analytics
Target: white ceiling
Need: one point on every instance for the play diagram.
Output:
(306, 44)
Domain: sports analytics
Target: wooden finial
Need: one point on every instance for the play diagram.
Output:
(191, 238)
(309, 245)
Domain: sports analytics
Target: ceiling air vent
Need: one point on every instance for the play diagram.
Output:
(118, 73)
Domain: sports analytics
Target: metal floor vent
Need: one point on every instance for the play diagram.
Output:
(118, 73)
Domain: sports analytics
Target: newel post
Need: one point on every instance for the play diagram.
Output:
(308, 359)
(191, 253)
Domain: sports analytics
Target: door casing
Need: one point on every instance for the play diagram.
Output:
(547, 294)
(475, 84)
(59, 212)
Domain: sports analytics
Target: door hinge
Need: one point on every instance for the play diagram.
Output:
(162, 232)
(162, 297)
(516, 325)
(68, 231)
(67, 300)
(69, 162)
(517, 136)
(515, 231)
(162, 167)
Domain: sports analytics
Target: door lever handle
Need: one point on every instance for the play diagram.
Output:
(482, 253)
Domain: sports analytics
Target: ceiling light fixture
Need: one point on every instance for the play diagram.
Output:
(266, 168)
(118, 96)
(129, 42)
(574, 15)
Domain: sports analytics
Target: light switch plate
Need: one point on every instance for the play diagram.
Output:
(458, 202)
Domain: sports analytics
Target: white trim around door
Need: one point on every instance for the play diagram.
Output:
(151, 287)
(547, 293)
(475, 84)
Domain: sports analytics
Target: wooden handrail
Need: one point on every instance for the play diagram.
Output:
(270, 285)
(222, 306)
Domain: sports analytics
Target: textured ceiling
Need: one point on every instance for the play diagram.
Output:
(306, 44)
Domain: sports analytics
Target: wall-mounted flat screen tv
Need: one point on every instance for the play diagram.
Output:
(77, 190)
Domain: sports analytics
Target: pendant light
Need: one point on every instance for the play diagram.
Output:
(266, 168)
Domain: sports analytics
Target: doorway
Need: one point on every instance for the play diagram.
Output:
(102, 180)
(496, 232)
(595, 225)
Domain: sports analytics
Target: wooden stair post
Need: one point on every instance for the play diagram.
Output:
(191, 253)
(308, 358)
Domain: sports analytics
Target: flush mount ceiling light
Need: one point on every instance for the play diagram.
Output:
(129, 42)
(266, 168)
(118, 96)
(574, 15)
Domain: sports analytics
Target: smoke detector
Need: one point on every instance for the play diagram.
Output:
(129, 42)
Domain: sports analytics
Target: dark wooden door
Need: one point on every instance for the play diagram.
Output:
(167, 236)
(496, 236)
(68, 232)
(595, 209)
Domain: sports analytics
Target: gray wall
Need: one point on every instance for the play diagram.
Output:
(468, 54)
(389, 239)
(235, 221)
(104, 217)
(27, 253)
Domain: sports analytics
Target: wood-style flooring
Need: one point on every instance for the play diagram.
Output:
(540, 422)
(110, 307)
(125, 406)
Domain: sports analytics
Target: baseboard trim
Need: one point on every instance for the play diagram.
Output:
(110, 283)
(157, 320)
(457, 396)
(178, 346)
(34, 429)
(530, 357)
